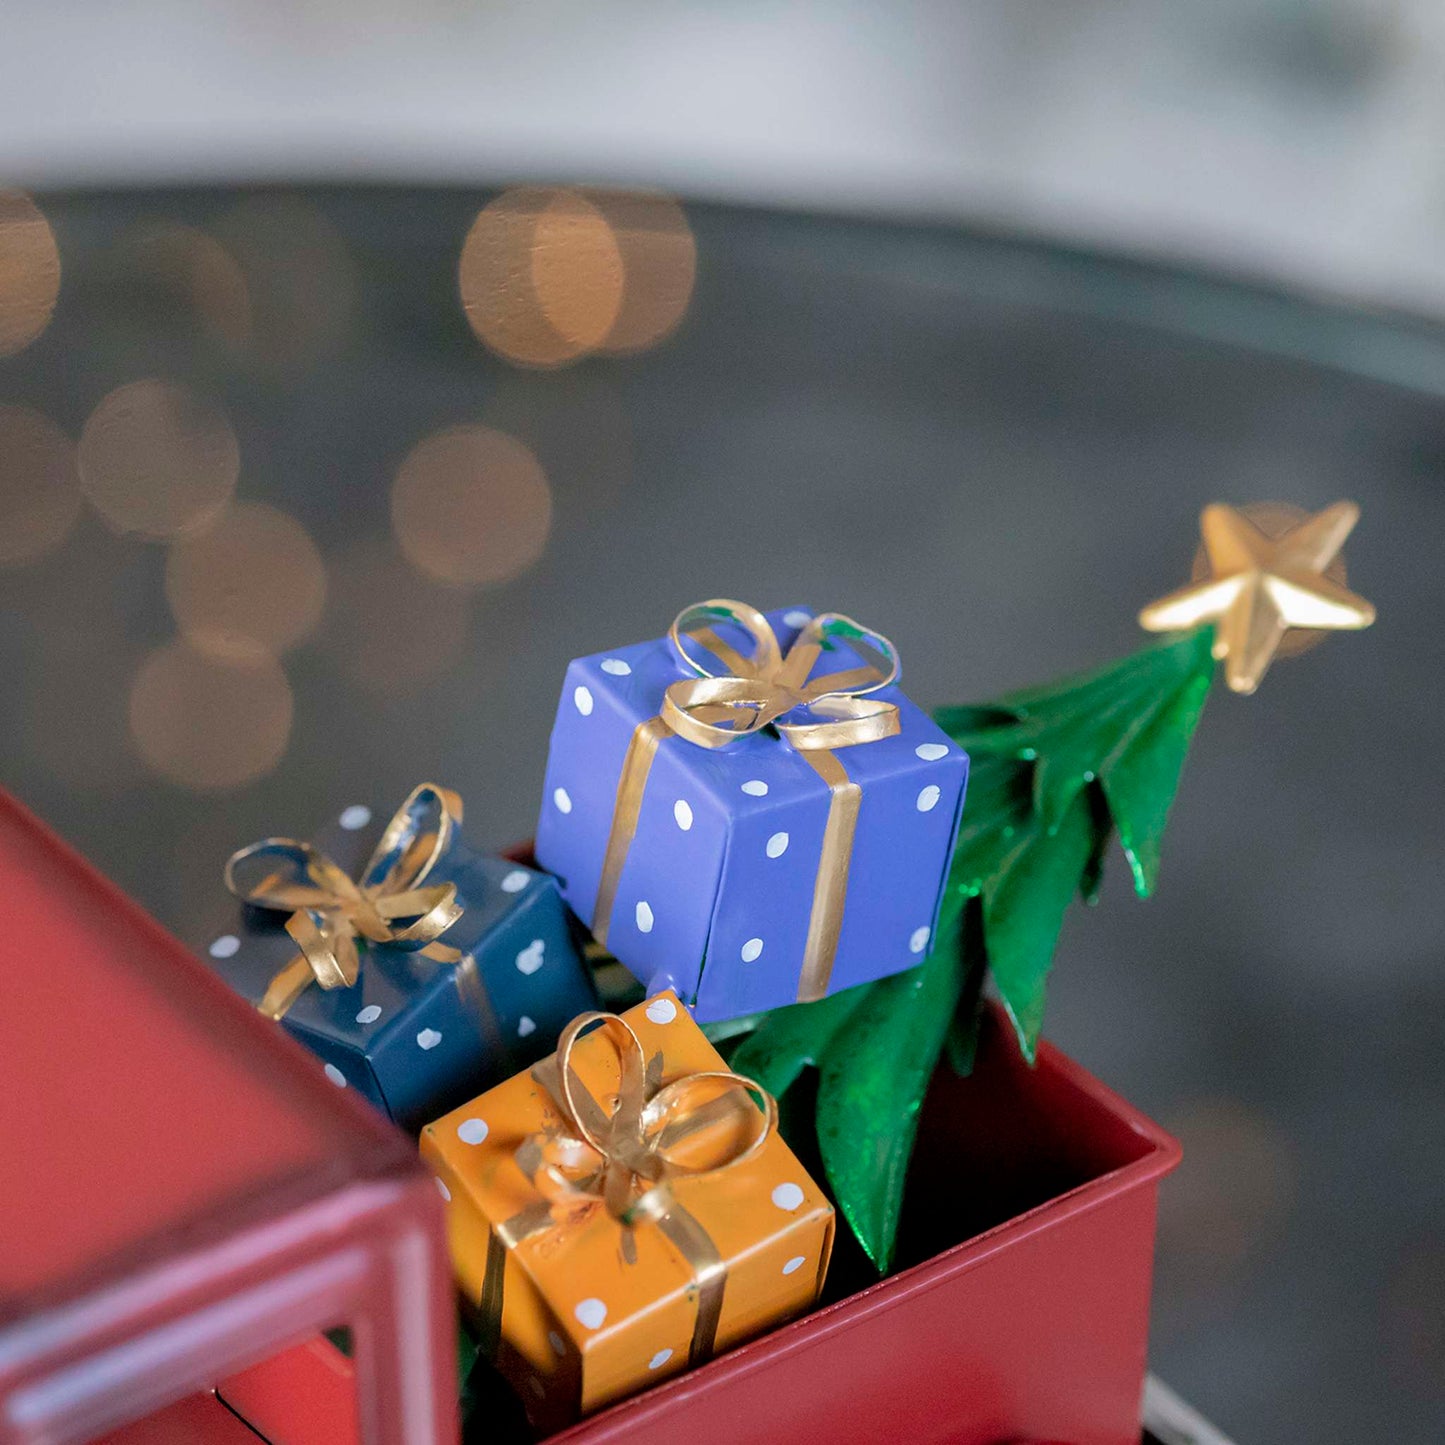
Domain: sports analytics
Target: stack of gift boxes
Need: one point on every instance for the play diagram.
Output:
(746, 813)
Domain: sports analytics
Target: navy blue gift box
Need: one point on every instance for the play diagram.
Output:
(422, 1028)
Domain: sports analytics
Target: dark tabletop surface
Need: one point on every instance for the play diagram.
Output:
(992, 448)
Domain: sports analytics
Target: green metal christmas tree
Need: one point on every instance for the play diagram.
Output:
(1056, 772)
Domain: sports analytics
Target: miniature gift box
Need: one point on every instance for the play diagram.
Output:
(435, 974)
(624, 1211)
(749, 811)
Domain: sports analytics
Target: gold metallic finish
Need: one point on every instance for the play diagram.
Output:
(830, 887)
(630, 787)
(710, 1271)
(712, 711)
(625, 1164)
(286, 987)
(1260, 587)
(489, 1307)
(329, 910)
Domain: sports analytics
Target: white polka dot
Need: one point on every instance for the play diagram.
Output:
(662, 1010)
(516, 880)
(591, 1313)
(777, 845)
(787, 1196)
(931, 752)
(559, 1345)
(616, 666)
(645, 920)
(563, 800)
(928, 798)
(797, 618)
(358, 815)
(531, 958)
(659, 1359)
(336, 1076)
(225, 946)
(918, 941)
(526, 1026)
(751, 949)
(582, 697)
(682, 811)
(755, 788)
(796, 1263)
(428, 1039)
(474, 1131)
(443, 1190)
(369, 1014)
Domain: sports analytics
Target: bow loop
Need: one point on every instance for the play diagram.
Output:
(628, 1157)
(762, 687)
(390, 904)
(280, 874)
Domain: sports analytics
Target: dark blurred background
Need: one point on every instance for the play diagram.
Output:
(322, 450)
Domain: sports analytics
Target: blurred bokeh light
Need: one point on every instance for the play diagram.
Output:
(206, 723)
(659, 264)
(576, 270)
(548, 276)
(39, 485)
(157, 459)
(29, 272)
(471, 506)
(540, 276)
(252, 579)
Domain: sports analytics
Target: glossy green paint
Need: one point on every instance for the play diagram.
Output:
(1055, 772)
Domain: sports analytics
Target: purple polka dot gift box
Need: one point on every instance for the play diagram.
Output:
(415, 969)
(749, 811)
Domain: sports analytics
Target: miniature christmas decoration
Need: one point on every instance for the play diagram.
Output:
(624, 1211)
(749, 810)
(1259, 587)
(434, 973)
(1057, 771)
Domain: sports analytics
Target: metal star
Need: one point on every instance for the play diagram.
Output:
(1262, 587)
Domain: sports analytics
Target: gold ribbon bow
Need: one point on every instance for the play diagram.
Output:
(329, 910)
(624, 1162)
(757, 691)
(713, 710)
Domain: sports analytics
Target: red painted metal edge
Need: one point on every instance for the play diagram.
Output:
(684, 1396)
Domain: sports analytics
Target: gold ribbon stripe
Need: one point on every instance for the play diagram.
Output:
(633, 1182)
(759, 690)
(631, 784)
(329, 910)
(830, 884)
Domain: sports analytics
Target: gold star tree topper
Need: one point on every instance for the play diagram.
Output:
(1260, 587)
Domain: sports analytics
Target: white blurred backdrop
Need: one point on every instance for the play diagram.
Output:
(1298, 139)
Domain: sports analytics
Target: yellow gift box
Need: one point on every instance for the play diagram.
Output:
(624, 1210)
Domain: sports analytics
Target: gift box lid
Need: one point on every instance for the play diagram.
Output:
(147, 1107)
